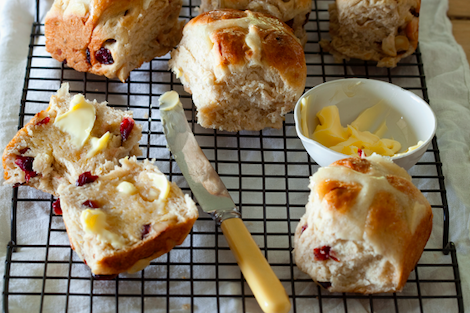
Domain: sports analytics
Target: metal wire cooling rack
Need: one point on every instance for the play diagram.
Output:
(267, 174)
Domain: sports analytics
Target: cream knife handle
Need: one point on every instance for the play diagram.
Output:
(259, 275)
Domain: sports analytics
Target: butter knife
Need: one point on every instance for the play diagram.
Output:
(214, 199)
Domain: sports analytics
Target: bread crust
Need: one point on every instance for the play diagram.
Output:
(170, 221)
(244, 69)
(371, 218)
(122, 261)
(280, 49)
(131, 31)
(294, 13)
(385, 31)
(56, 160)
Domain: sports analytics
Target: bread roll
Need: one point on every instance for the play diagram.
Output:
(71, 137)
(126, 218)
(245, 69)
(111, 38)
(365, 226)
(380, 30)
(294, 13)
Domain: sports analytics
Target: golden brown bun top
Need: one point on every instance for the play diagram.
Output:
(92, 11)
(245, 37)
(284, 10)
(413, 3)
(373, 200)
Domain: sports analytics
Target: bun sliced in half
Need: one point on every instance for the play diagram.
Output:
(365, 226)
(126, 218)
(385, 31)
(245, 69)
(71, 137)
(294, 13)
(111, 38)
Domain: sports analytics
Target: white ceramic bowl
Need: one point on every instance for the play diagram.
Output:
(410, 119)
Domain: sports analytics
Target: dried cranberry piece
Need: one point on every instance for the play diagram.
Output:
(64, 62)
(324, 253)
(146, 230)
(86, 178)
(414, 12)
(56, 207)
(304, 228)
(44, 121)
(91, 204)
(126, 127)
(325, 284)
(104, 56)
(306, 18)
(28, 175)
(104, 277)
(359, 151)
(23, 151)
(290, 23)
(26, 165)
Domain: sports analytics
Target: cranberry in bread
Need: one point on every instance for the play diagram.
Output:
(384, 31)
(294, 13)
(125, 218)
(72, 138)
(365, 226)
(111, 38)
(245, 69)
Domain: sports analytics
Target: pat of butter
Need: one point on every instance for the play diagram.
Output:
(169, 100)
(330, 131)
(416, 146)
(127, 188)
(349, 140)
(78, 121)
(162, 184)
(365, 120)
(98, 144)
(94, 223)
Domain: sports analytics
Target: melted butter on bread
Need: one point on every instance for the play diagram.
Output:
(78, 121)
(99, 144)
(161, 184)
(94, 223)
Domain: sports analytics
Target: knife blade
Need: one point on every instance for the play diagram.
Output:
(214, 199)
